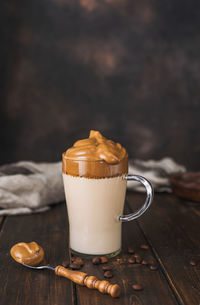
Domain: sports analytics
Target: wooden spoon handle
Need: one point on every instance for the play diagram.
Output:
(91, 281)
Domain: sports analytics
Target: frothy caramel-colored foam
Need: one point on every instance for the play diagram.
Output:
(95, 157)
(96, 148)
(27, 253)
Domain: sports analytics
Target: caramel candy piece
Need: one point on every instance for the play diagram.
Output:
(27, 253)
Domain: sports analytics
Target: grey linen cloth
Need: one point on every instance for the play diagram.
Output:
(28, 187)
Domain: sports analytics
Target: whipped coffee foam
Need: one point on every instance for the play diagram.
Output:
(96, 148)
(95, 157)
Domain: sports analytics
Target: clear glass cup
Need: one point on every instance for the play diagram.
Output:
(95, 203)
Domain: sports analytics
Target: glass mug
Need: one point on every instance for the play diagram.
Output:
(95, 207)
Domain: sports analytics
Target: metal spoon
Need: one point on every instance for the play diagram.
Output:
(31, 255)
(40, 267)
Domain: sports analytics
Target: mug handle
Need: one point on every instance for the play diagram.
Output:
(148, 201)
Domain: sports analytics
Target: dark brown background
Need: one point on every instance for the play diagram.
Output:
(130, 69)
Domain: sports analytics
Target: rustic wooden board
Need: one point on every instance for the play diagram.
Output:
(156, 288)
(22, 286)
(173, 230)
(1, 221)
(170, 227)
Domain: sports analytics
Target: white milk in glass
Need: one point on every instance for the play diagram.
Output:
(93, 208)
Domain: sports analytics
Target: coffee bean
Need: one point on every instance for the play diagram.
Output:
(96, 260)
(153, 267)
(138, 259)
(104, 259)
(144, 247)
(108, 274)
(65, 264)
(137, 287)
(107, 268)
(131, 250)
(193, 262)
(131, 260)
(78, 261)
(74, 266)
(144, 262)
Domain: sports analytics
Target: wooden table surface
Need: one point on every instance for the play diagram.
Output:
(171, 228)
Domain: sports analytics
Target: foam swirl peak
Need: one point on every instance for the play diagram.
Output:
(97, 148)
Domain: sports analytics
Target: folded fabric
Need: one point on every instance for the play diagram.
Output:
(29, 187)
(157, 172)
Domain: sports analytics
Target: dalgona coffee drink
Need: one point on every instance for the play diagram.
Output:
(95, 177)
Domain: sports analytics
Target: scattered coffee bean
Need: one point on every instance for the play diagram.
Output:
(193, 262)
(138, 259)
(131, 250)
(65, 264)
(78, 261)
(144, 262)
(96, 260)
(107, 268)
(104, 259)
(131, 260)
(108, 274)
(137, 287)
(74, 266)
(153, 267)
(144, 247)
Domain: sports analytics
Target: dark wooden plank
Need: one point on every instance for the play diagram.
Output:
(156, 288)
(172, 228)
(194, 206)
(20, 285)
(1, 221)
